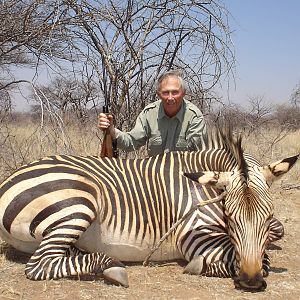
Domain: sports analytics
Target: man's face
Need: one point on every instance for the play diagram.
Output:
(171, 94)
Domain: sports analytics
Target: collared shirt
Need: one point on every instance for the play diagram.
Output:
(161, 133)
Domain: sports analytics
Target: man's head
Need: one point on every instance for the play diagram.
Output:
(171, 90)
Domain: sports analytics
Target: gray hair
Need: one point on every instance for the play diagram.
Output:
(171, 73)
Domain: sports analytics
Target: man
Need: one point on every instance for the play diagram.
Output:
(169, 124)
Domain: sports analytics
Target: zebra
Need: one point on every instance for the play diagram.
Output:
(80, 215)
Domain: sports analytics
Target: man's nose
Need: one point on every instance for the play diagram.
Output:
(170, 95)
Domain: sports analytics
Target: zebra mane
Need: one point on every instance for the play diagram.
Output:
(223, 138)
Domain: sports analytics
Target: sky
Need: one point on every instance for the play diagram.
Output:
(267, 49)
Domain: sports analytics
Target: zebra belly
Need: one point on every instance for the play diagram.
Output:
(123, 246)
(26, 246)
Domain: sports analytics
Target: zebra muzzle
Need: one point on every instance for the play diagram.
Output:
(255, 283)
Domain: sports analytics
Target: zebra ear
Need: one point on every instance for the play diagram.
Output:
(216, 179)
(275, 170)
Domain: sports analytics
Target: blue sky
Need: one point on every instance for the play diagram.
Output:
(266, 35)
(267, 47)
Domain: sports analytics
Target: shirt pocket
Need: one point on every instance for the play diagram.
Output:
(181, 144)
(155, 145)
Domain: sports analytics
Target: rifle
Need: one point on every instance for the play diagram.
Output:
(109, 145)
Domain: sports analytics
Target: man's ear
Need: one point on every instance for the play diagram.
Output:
(275, 170)
(218, 180)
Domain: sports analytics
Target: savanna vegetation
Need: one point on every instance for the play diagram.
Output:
(111, 52)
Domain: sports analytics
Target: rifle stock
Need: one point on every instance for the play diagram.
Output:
(107, 148)
(109, 145)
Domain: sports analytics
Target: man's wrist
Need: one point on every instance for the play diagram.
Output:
(115, 133)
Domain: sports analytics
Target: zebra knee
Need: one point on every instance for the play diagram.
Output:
(37, 269)
(196, 266)
(74, 251)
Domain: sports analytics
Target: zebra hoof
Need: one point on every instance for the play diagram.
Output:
(116, 275)
(195, 266)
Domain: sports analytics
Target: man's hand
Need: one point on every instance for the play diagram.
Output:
(106, 122)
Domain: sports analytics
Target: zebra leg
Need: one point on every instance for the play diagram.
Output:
(73, 251)
(266, 265)
(220, 269)
(50, 260)
(276, 230)
(210, 253)
(198, 266)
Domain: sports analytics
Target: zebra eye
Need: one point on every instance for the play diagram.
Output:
(224, 188)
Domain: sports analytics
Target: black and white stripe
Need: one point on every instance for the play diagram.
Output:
(120, 208)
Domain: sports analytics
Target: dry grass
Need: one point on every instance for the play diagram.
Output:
(272, 145)
(26, 143)
(160, 281)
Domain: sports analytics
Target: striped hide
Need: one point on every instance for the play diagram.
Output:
(84, 215)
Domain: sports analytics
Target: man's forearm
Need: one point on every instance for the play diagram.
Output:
(124, 140)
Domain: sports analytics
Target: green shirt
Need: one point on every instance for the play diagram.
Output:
(161, 133)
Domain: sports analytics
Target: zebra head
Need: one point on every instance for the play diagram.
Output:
(248, 210)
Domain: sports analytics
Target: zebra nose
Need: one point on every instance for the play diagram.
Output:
(254, 283)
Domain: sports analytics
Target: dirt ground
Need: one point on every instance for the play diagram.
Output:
(166, 281)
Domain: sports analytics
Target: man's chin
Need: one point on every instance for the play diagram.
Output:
(171, 111)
